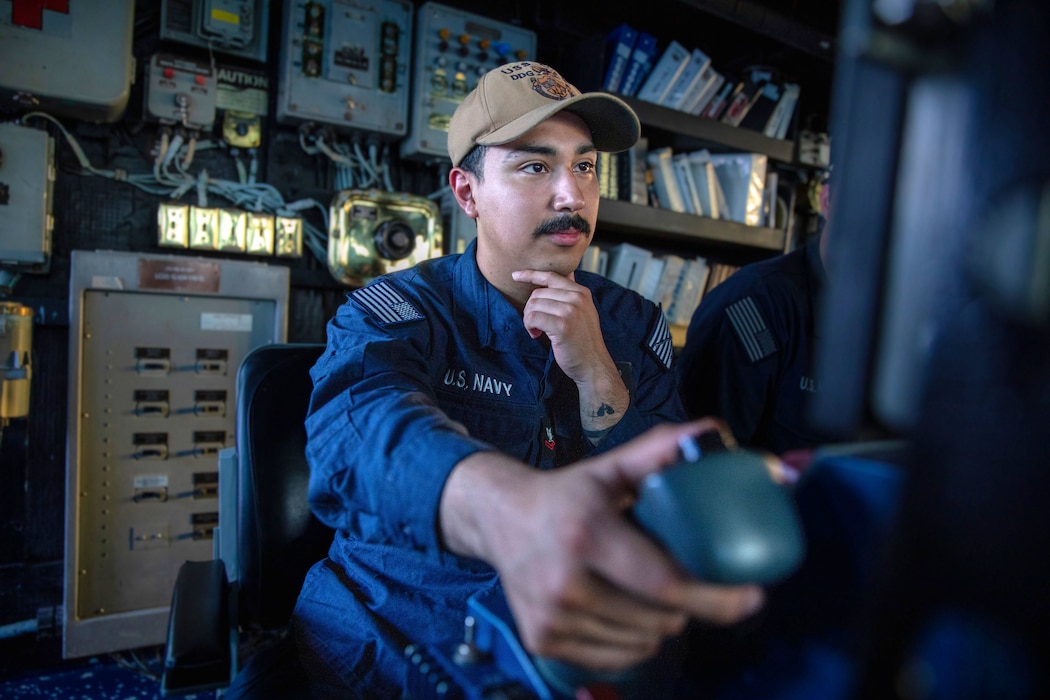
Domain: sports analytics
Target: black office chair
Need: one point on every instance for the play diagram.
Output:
(265, 545)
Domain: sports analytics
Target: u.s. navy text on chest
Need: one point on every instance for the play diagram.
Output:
(473, 381)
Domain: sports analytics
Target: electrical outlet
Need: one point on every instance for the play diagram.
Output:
(204, 228)
(173, 225)
(260, 234)
(233, 225)
(289, 237)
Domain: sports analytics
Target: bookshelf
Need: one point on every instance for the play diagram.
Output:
(686, 229)
(689, 132)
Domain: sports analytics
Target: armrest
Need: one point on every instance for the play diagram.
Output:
(198, 655)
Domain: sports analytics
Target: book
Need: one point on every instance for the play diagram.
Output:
(651, 278)
(672, 62)
(707, 186)
(627, 264)
(690, 289)
(637, 189)
(604, 171)
(619, 45)
(684, 88)
(769, 199)
(780, 120)
(665, 181)
(743, 180)
(706, 93)
(641, 64)
(740, 101)
(589, 261)
(719, 273)
(630, 173)
(686, 183)
(668, 282)
(762, 107)
(716, 106)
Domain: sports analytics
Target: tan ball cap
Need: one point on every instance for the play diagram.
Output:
(511, 99)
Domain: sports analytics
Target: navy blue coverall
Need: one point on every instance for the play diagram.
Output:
(423, 368)
(748, 354)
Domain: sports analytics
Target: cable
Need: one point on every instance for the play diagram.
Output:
(244, 194)
(16, 629)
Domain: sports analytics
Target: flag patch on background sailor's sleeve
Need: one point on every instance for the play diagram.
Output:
(385, 303)
(751, 329)
(659, 341)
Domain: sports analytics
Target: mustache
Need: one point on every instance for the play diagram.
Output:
(562, 223)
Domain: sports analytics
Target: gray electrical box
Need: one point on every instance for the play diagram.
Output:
(180, 91)
(346, 65)
(27, 177)
(155, 344)
(75, 61)
(231, 27)
(453, 49)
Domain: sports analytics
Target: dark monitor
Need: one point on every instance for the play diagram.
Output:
(937, 327)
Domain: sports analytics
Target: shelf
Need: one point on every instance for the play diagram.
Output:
(710, 131)
(615, 215)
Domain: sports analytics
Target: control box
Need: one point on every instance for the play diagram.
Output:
(346, 64)
(27, 176)
(453, 49)
(154, 346)
(180, 91)
(231, 27)
(74, 61)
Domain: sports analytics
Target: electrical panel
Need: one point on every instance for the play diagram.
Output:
(231, 27)
(453, 49)
(346, 64)
(74, 60)
(155, 344)
(27, 176)
(180, 91)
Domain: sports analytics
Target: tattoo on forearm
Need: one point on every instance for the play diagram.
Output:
(604, 410)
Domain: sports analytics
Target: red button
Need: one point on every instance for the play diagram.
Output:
(199, 79)
(169, 73)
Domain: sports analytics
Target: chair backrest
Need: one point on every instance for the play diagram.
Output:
(278, 536)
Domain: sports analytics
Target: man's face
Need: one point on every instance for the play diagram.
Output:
(537, 203)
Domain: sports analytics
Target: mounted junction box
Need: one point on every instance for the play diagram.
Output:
(180, 91)
(346, 64)
(74, 61)
(453, 49)
(27, 175)
(232, 27)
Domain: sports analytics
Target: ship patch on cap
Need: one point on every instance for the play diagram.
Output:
(549, 83)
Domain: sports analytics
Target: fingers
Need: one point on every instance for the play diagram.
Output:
(545, 278)
(654, 450)
(722, 605)
(606, 629)
(646, 575)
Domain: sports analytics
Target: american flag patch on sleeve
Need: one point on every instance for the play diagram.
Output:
(659, 341)
(385, 303)
(751, 329)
